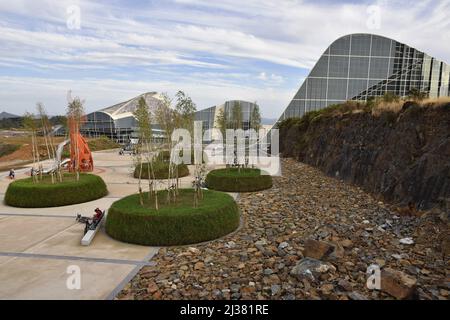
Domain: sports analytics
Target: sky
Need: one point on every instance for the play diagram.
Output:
(257, 50)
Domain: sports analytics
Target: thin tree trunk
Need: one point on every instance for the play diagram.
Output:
(47, 147)
(33, 150)
(141, 200)
(154, 186)
(148, 173)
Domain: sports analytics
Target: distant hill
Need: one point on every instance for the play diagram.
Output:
(6, 115)
(268, 121)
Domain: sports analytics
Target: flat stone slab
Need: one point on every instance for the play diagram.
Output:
(18, 234)
(34, 278)
(67, 243)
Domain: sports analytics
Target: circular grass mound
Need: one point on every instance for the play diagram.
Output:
(173, 224)
(25, 193)
(161, 170)
(235, 180)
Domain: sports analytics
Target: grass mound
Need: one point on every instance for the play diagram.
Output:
(161, 170)
(175, 223)
(27, 194)
(235, 180)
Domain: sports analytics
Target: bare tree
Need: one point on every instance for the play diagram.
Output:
(46, 132)
(143, 118)
(75, 117)
(185, 115)
(30, 125)
(165, 115)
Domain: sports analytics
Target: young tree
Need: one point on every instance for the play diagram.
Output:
(236, 115)
(166, 116)
(75, 116)
(185, 110)
(222, 122)
(49, 144)
(255, 118)
(143, 118)
(30, 126)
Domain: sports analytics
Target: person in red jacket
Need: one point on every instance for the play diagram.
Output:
(97, 216)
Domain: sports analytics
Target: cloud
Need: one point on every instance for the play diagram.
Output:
(100, 93)
(220, 50)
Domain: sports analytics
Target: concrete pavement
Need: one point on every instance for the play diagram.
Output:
(40, 248)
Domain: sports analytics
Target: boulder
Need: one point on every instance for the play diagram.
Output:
(317, 249)
(398, 284)
(311, 268)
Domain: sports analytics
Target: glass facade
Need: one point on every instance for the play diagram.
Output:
(209, 116)
(361, 66)
(117, 122)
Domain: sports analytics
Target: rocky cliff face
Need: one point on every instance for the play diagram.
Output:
(403, 157)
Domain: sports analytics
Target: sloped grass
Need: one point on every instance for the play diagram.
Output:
(235, 180)
(175, 223)
(27, 194)
(6, 148)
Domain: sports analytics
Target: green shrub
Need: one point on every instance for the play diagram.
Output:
(102, 143)
(27, 194)
(161, 170)
(173, 224)
(235, 180)
(165, 156)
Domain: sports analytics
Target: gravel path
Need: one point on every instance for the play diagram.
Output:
(259, 261)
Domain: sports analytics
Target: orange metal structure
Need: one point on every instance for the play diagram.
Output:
(83, 157)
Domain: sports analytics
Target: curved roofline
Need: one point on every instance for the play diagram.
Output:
(379, 36)
(115, 115)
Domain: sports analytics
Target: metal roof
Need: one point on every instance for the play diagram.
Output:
(126, 109)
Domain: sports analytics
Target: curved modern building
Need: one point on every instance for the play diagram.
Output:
(118, 122)
(360, 66)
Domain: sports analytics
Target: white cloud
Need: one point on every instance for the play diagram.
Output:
(21, 94)
(215, 49)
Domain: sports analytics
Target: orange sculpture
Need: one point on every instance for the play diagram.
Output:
(80, 154)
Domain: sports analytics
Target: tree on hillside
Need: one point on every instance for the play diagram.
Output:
(390, 97)
(417, 95)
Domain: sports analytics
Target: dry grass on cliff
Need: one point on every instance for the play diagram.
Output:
(396, 106)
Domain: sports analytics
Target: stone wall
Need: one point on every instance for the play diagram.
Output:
(402, 157)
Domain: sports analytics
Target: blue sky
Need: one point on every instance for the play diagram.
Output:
(214, 51)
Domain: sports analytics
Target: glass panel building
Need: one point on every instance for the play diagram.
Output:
(117, 122)
(361, 66)
(209, 116)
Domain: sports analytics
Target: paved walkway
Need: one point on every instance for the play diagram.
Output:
(39, 246)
